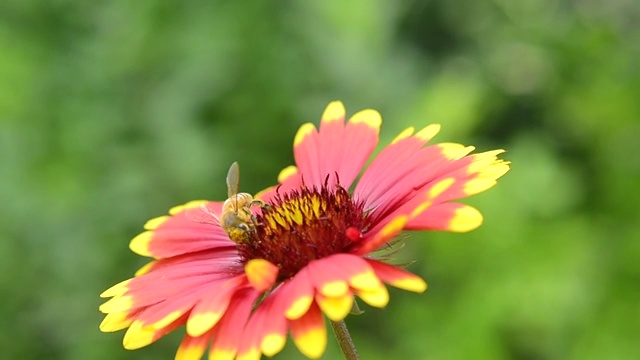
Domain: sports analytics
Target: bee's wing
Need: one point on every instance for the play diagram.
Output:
(202, 215)
(233, 179)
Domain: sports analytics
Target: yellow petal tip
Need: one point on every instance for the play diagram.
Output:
(313, 343)
(369, 117)
(272, 344)
(466, 218)
(404, 134)
(138, 336)
(286, 173)
(334, 288)
(155, 222)
(299, 307)
(140, 243)
(303, 132)
(428, 132)
(199, 324)
(377, 298)
(334, 111)
(414, 284)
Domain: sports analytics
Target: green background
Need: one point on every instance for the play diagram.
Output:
(111, 112)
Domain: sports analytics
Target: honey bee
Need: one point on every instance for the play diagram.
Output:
(236, 218)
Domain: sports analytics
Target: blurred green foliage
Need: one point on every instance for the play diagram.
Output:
(113, 111)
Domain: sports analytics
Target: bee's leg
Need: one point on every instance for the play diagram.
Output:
(260, 204)
(247, 212)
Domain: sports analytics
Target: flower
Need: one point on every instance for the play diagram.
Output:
(305, 249)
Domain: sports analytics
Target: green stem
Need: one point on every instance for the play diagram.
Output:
(344, 339)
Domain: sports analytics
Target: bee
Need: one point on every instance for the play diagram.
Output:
(236, 218)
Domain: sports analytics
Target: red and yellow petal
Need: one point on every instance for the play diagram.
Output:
(407, 175)
(266, 331)
(405, 169)
(381, 233)
(116, 321)
(117, 289)
(119, 303)
(337, 147)
(447, 217)
(424, 135)
(210, 308)
(397, 277)
(261, 274)
(193, 348)
(229, 330)
(191, 228)
(469, 175)
(338, 277)
(408, 184)
(389, 172)
(310, 333)
(327, 276)
(378, 297)
(296, 295)
(335, 308)
(163, 298)
(173, 278)
(140, 335)
(361, 136)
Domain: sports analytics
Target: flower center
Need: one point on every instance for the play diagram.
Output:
(305, 225)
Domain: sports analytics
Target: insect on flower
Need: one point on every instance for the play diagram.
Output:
(236, 217)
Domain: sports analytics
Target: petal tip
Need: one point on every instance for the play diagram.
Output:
(286, 173)
(369, 117)
(404, 134)
(303, 132)
(140, 243)
(155, 222)
(466, 218)
(429, 132)
(334, 111)
(261, 274)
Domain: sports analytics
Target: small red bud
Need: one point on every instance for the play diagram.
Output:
(353, 234)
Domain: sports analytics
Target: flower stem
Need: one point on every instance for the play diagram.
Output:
(344, 339)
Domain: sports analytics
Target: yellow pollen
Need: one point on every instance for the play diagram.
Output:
(296, 216)
(316, 208)
(280, 220)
